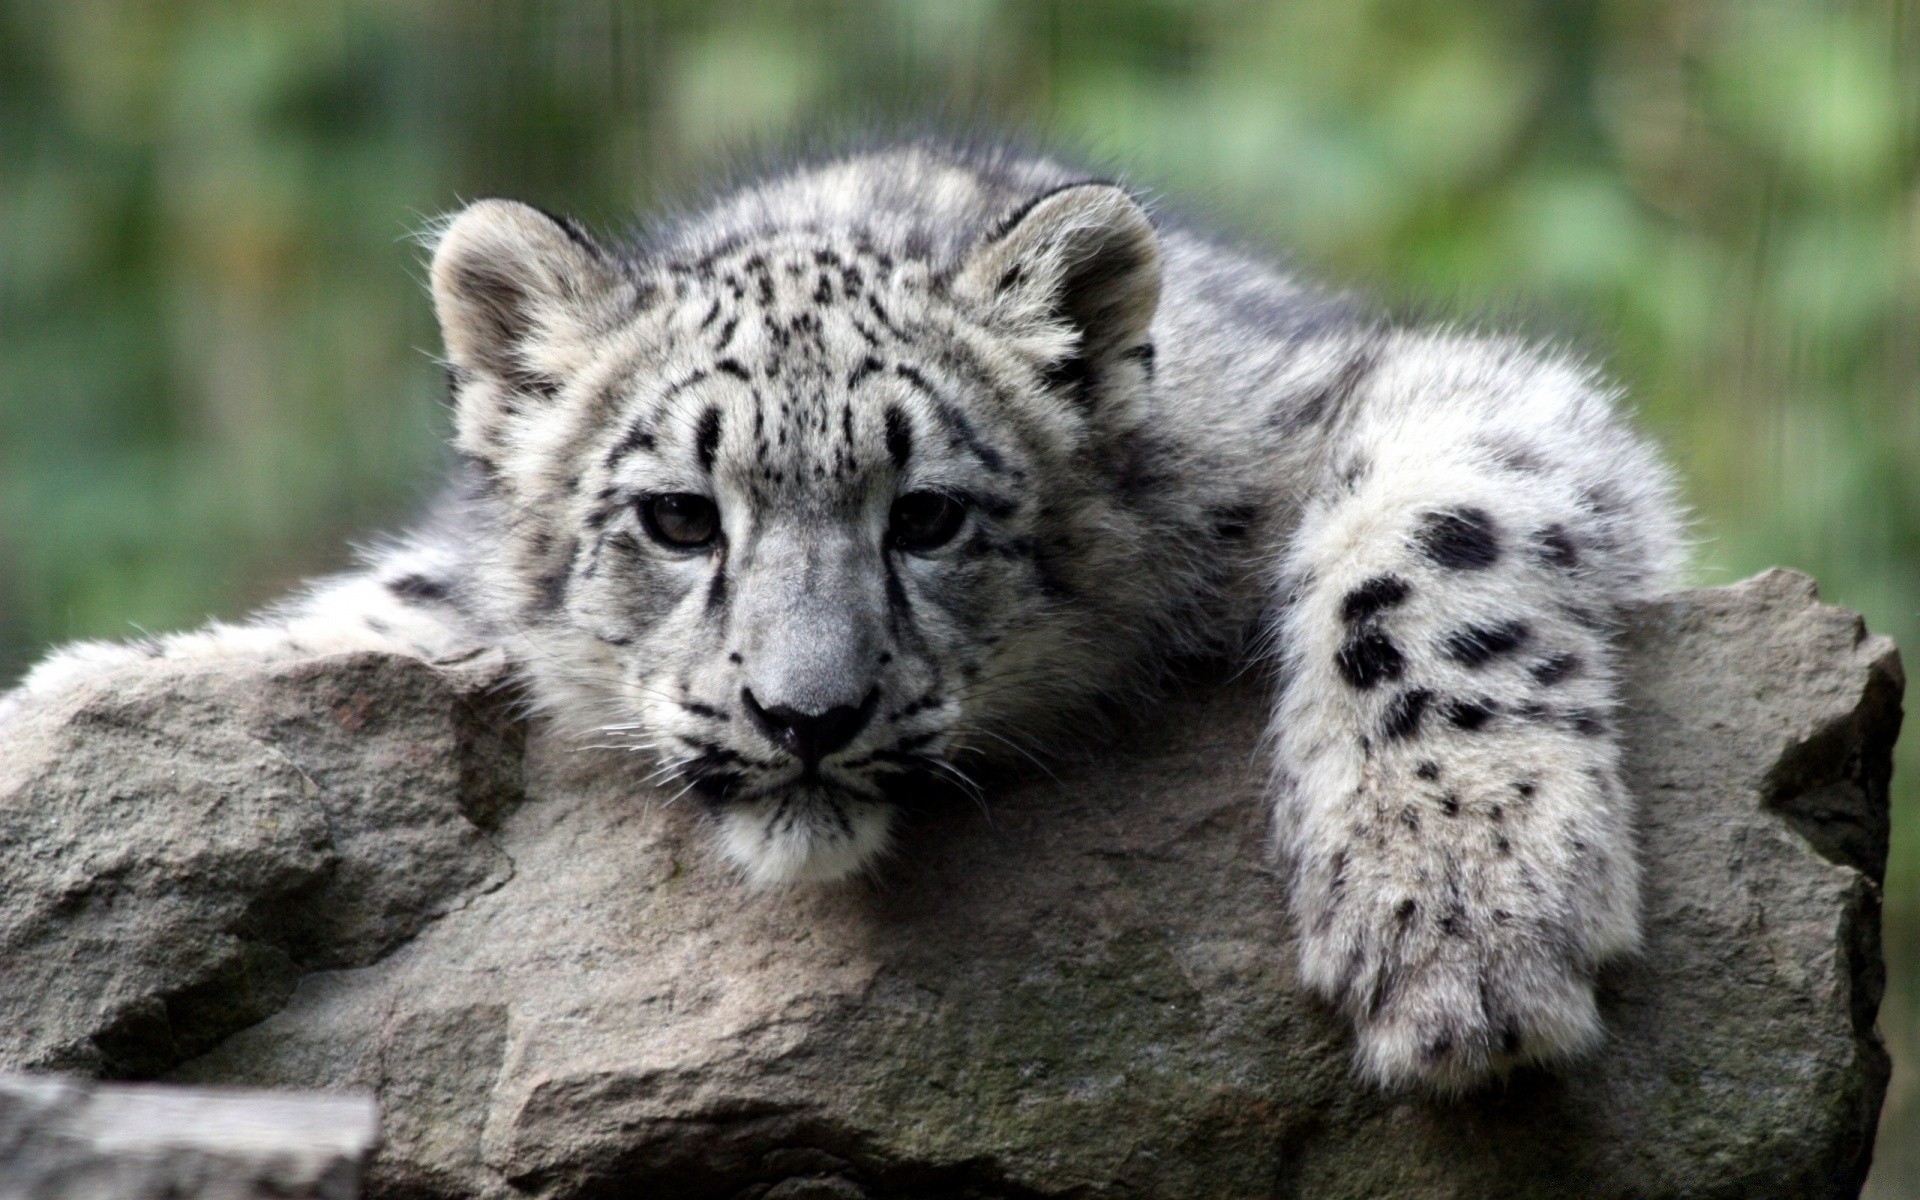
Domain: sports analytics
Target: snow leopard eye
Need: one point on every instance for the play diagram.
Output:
(682, 520)
(923, 521)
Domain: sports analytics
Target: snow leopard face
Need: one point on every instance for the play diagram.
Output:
(804, 513)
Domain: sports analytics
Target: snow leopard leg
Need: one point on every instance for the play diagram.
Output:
(406, 601)
(1447, 776)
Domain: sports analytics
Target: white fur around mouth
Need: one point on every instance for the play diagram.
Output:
(805, 835)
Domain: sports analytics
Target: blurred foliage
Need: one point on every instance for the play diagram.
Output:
(215, 359)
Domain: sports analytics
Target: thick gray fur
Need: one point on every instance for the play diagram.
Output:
(1163, 447)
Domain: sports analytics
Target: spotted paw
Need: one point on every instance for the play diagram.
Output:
(1464, 1014)
(1459, 902)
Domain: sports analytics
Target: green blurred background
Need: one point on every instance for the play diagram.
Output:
(215, 353)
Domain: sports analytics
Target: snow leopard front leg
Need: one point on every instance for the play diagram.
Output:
(1446, 773)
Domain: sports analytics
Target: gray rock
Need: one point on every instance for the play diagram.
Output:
(63, 1139)
(1085, 989)
(178, 847)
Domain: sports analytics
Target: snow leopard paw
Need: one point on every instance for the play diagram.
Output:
(1458, 907)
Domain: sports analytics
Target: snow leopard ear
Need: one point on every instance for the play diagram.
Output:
(516, 292)
(1078, 270)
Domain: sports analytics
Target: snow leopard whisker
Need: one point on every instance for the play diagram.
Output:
(1016, 747)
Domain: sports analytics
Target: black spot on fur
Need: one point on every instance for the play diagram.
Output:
(1405, 910)
(1550, 671)
(1428, 770)
(868, 366)
(1231, 524)
(929, 701)
(756, 266)
(899, 437)
(1368, 657)
(1476, 645)
(733, 367)
(1556, 547)
(1375, 595)
(886, 322)
(717, 589)
(637, 437)
(1469, 714)
(1450, 804)
(1533, 712)
(1525, 789)
(1601, 500)
(550, 590)
(419, 587)
(706, 441)
(1403, 715)
(1587, 723)
(1463, 539)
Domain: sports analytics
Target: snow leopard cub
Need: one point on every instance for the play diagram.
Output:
(926, 450)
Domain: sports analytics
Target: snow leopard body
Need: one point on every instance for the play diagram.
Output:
(922, 452)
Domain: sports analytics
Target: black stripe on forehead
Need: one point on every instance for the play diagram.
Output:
(639, 435)
(706, 442)
(899, 437)
(957, 425)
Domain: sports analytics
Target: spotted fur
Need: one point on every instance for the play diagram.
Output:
(1156, 447)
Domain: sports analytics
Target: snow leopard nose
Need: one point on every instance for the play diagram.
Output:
(810, 737)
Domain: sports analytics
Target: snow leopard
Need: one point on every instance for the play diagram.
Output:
(903, 454)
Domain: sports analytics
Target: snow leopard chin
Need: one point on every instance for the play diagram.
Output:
(803, 834)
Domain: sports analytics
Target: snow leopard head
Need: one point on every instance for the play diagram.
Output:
(810, 496)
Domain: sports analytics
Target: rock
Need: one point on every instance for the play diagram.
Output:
(61, 1139)
(1085, 989)
(178, 848)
